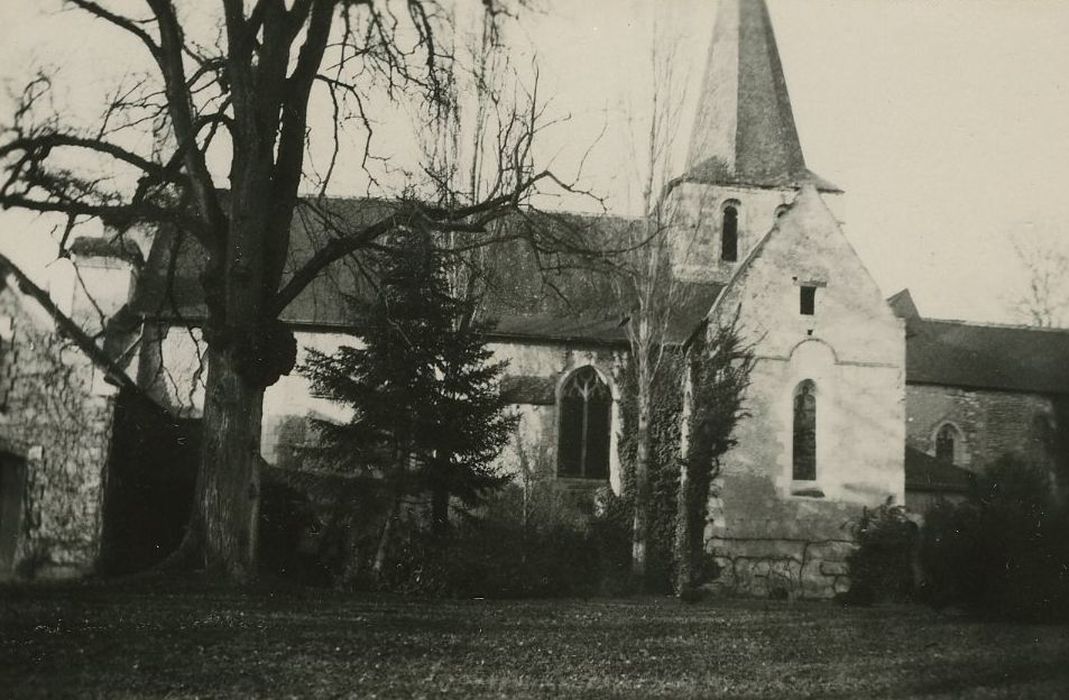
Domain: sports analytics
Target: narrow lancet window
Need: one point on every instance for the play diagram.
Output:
(585, 426)
(805, 432)
(729, 237)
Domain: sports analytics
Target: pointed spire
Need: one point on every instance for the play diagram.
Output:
(744, 132)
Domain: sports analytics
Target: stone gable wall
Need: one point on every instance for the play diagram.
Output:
(769, 533)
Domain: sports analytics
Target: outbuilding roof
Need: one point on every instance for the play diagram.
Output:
(926, 473)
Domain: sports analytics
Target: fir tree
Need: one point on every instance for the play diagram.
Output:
(428, 419)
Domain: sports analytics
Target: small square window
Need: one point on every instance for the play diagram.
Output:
(808, 300)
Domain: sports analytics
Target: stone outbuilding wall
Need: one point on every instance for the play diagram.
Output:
(55, 431)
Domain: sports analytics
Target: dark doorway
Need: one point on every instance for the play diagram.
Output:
(152, 470)
(12, 493)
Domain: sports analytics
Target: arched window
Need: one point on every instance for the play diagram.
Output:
(729, 232)
(948, 443)
(805, 432)
(585, 424)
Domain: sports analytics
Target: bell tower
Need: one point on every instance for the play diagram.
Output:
(744, 163)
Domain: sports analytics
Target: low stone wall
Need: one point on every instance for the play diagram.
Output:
(766, 543)
(795, 568)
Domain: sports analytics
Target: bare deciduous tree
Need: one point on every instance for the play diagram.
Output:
(246, 93)
(1045, 301)
(645, 286)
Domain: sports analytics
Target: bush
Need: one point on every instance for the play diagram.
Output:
(318, 529)
(567, 550)
(1004, 553)
(881, 568)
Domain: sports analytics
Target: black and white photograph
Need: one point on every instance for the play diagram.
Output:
(534, 348)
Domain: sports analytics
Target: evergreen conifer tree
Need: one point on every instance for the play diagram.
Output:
(428, 419)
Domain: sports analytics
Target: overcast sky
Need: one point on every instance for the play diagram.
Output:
(944, 121)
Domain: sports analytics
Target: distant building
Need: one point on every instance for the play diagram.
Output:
(854, 400)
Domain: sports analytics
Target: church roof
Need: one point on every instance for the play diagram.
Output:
(533, 295)
(744, 132)
(984, 356)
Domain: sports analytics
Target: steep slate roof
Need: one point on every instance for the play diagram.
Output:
(926, 473)
(1010, 358)
(982, 356)
(534, 296)
(744, 131)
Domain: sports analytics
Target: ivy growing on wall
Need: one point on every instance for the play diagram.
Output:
(719, 363)
(664, 464)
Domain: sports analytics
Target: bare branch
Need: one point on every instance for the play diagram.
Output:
(68, 327)
(120, 21)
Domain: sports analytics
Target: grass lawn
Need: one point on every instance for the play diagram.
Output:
(185, 640)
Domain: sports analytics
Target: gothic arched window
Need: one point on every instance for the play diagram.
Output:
(947, 443)
(729, 233)
(585, 425)
(805, 432)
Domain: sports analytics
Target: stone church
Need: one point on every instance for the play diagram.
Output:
(854, 399)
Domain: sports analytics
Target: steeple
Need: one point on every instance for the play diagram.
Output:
(744, 131)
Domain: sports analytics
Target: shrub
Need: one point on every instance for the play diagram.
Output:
(1003, 553)
(881, 568)
(566, 547)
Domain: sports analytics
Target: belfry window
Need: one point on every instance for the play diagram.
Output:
(729, 233)
(585, 426)
(947, 443)
(805, 432)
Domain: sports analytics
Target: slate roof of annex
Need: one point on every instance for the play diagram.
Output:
(985, 356)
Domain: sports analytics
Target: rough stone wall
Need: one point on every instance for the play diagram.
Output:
(993, 423)
(769, 532)
(57, 417)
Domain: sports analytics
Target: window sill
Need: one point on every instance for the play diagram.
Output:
(806, 489)
(571, 479)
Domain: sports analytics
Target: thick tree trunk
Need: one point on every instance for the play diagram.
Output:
(228, 492)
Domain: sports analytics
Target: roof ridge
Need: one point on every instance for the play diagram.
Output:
(992, 324)
(391, 200)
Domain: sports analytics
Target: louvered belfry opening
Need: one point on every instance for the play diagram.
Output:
(585, 425)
